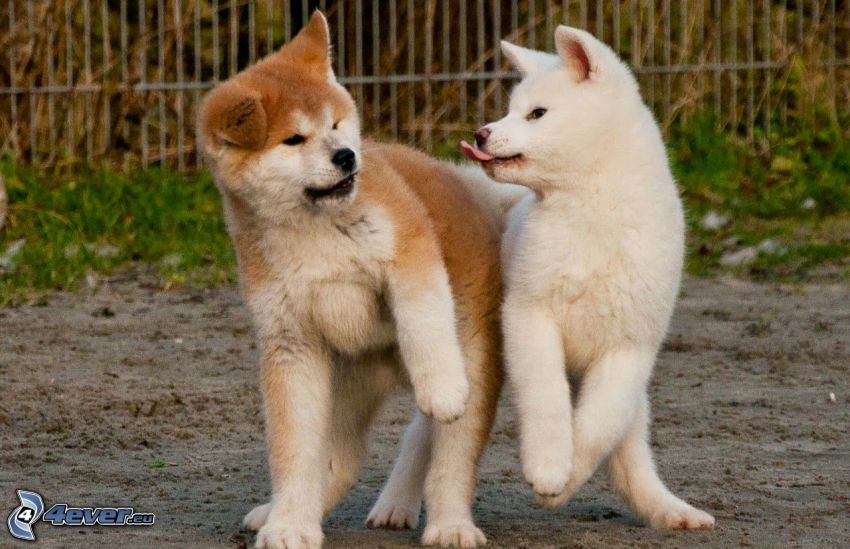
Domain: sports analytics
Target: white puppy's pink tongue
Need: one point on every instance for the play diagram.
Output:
(474, 153)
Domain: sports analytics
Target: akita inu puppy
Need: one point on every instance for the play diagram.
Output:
(592, 267)
(363, 266)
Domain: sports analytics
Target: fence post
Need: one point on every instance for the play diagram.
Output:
(4, 202)
(428, 68)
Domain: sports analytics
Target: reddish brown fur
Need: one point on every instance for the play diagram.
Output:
(253, 110)
(435, 221)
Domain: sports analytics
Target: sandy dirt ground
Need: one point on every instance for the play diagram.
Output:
(136, 397)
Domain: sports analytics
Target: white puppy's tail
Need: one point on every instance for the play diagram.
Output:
(496, 198)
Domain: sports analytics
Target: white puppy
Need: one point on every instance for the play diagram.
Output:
(592, 261)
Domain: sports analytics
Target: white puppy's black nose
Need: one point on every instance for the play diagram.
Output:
(344, 158)
(481, 136)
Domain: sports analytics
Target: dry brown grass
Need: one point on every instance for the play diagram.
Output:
(104, 118)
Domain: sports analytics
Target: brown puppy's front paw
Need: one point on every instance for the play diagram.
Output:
(458, 534)
(281, 535)
(444, 397)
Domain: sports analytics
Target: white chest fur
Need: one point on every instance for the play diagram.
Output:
(328, 282)
(607, 269)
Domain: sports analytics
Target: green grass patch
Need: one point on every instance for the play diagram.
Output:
(794, 194)
(160, 464)
(103, 222)
(716, 169)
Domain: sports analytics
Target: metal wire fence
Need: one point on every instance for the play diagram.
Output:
(117, 81)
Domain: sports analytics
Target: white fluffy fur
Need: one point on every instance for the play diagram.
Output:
(592, 262)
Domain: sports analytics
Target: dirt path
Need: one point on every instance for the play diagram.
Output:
(149, 399)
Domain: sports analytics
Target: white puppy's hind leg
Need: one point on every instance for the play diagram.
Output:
(534, 358)
(610, 392)
(400, 501)
(359, 390)
(633, 473)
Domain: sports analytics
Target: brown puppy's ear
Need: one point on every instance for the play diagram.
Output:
(311, 45)
(234, 116)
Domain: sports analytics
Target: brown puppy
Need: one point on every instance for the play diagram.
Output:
(363, 267)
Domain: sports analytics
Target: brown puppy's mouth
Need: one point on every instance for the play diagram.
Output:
(341, 188)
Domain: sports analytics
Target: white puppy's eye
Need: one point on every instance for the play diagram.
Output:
(536, 113)
(335, 126)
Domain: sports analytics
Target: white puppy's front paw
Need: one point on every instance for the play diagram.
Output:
(462, 533)
(548, 476)
(443, 396)
(681, 516)
(394, 514)
(256, 518)
(283, 535)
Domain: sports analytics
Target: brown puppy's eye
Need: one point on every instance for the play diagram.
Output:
(335, 126)
(293, 140)
(536, 113)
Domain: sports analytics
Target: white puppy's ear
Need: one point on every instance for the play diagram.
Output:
(577, 52)
(524, 60)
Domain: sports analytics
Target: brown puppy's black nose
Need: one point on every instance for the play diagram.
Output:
(481, 136)
(344, 158)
